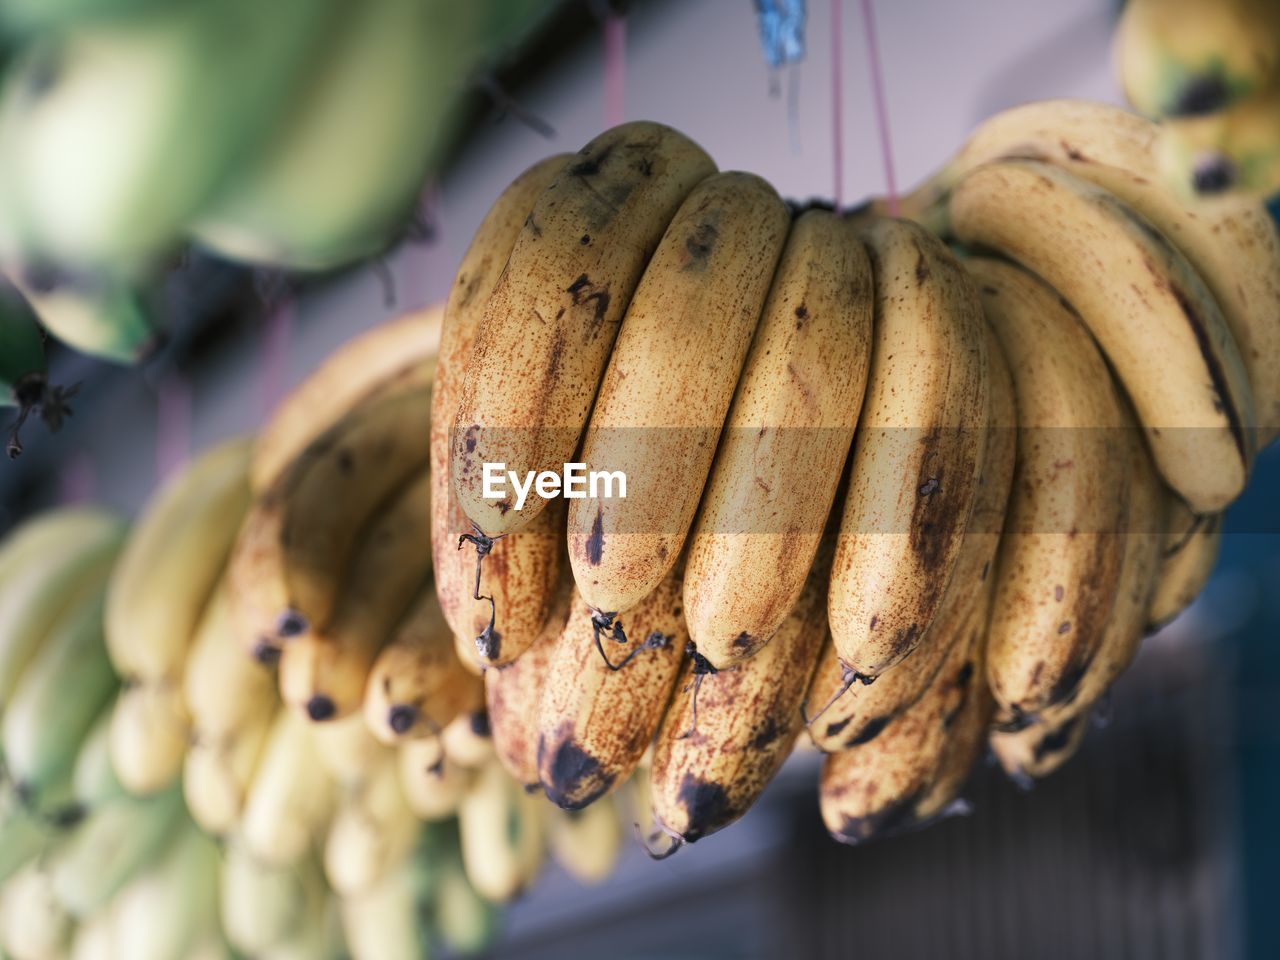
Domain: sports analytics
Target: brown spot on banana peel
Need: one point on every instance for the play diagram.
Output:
(1058, 740)
(699, 246)
(571, 777)
(595, 543)
(895, 818)
(707, 808)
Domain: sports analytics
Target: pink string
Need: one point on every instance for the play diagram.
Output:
(78, 479)
(837, 105)
(615, 74)
(275, 355)
(173, 424)
(882, 113)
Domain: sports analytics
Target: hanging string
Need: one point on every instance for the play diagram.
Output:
(882, 113)
(837, 105)
(173, 423)
(615, 68)
(277, 335)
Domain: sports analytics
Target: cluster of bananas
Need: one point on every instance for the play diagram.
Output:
(295, 133)
(910, 499)
(1211, 71)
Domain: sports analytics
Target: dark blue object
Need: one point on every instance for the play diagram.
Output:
(781, 30)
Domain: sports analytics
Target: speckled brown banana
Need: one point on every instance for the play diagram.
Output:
(1150, 312)
(595, 722)
(845, 713)
(417, 685)
(669, 383)
(1039, 749)
(521, 570)
(1189, 553)
(786, 439)
(710, 768)
(351, 376)
(1233, 243)
(512, 694)
(1060, 558)
(917, 454)
(554, 314)
(324, 673)
(890, 783)
(1139, 571)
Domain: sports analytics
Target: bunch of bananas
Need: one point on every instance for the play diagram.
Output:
(1211, 71)
(296, 134)
(909, 497)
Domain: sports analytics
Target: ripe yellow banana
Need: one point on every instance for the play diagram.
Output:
(290, 800)
(388, 922)
(1189, 553)
(433, 783)
(1232, 243)
(554, 314)
(587, 842)
(876, 787)
(668, 386)
(468, 740)
(846, 713)
(1139, 571)
(418, 685)
(521, 570)
(218, 770)
(150, 730)
(594, 722)
(1060, 560)
(325, 672)
(33, 925)
(786, 439)
(1041, 748)
(501, 863)
(224, 690)
(352, 375)
(513, 693)
(1160, 328)
(172, 561)
(349, 751)
(917, 455)
(711, 765)
(373, 832)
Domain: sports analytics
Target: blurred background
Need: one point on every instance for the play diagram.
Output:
(1158, 840)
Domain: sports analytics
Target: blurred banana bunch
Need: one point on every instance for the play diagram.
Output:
(295, 134)
(1211, 73)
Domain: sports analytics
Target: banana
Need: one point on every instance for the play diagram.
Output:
(218, 771)
(433, 783)
(1232, 243)
(593, 722)
(1139, 571)
(512, 696)
(128, 95)
(349, 752)
(94, 938)
(342, 173)
(24, 834)
(523, 568)
(102, 317)
(1060, 561)
(62, 692)
(1187, 559)
(467, 923)
(387, 921)
(502, 833)
(373, 831)
(468, 740)
(587, 842)
(715, 754)
(877, 787)
(789, 429)
(33, 925)
(554, 313)
(262, 905)
(1187, 58)
(93, 779)
(1161, 330)
(418, 685)
(325, 672)
(172, 561)
(167, 910)
(668, 386)
(1039, 749)
(291, 797)
(108, 848)
(30, 15)
(320, 939)
(150, 731)
(224, 690)
(851, 713)
(351, 376)
(50, 563)
(917, 455)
